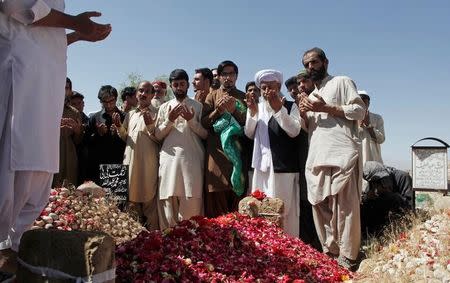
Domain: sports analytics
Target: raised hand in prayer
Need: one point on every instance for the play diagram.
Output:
(102, 129)
(300, 97)
(250, 100)
(113, 129)
(366, 121)
(89, 30)
(230, 103)
(116, 119)
(315, 105)
(175, 112)
(75, 125)
(148, 117)
(275, 101)
(71, 126)
(187, 113)
(221, 105)
(66, 127)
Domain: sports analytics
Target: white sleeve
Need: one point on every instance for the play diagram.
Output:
(354, 108)
(290, 123)
(163, 124)
(196, 126)
(25, 11)
(250, 125)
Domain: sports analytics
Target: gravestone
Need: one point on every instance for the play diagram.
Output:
(114, 178)
(430, 169)
(430, 174)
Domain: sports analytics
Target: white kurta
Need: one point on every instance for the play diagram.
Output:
(182, 154)
(33, 75)
(333, 171)
(371, 147)
(333, 141)
(280, 185)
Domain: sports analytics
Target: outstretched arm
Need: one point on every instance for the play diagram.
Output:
(38, 13)
(84, 28)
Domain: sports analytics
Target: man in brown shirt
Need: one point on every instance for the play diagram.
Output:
(203, 79)
(70, 136)
(219, 196)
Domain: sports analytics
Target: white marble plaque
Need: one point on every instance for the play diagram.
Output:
(429, 168)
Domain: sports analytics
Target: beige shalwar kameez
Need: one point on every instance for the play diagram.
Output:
(371, 146)
(333, 170)
(141, 155)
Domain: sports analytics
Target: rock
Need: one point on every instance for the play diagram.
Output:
(269, 208)
(366, 266)
(92, 188)
(75, 253)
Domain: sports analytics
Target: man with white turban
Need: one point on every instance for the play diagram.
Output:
(274, 125)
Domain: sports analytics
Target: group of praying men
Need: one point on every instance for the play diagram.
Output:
(186, 156)
(201, 155)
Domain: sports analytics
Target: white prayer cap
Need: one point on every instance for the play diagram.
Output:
(268, 75)
(362, 92)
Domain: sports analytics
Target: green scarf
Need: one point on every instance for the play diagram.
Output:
(227, 127)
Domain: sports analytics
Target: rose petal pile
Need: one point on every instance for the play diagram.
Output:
(230, 248)
(422, 254)
(76, 210)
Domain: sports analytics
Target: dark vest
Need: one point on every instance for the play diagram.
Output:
(285, 152)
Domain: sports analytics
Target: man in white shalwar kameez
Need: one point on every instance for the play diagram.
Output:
(274, 123)
(182, 154)
(371, 132)
(33, 46)
(333, 171)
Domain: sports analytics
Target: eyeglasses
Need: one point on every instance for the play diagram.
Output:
(227, 74)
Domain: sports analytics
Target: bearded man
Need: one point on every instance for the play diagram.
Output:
(273, 124)
(333, 171)
(182, 155)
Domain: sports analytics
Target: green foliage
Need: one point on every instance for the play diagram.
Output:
(132, 79)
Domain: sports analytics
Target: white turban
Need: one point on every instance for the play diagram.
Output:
(268, 75)
(362, 92)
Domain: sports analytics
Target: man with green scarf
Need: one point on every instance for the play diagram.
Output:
(226, 149)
